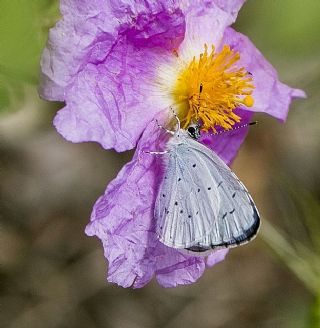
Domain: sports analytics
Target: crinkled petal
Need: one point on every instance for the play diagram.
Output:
(270, 95)
(174, 268)
(85, 29)
(85, 8)
(147, 23)
(150, 23)
(165, 29)
(106, 68)
(112, 102)
(232, 7)
(123, 219)
(206, 22)
(227, 144)
(216, 257)
(89, 30)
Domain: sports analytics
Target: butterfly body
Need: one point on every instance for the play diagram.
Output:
(201, 204)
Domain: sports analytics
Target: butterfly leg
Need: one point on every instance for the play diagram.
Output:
(155, 152)
(163, 128)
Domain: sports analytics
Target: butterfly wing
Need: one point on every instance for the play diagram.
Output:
(227, 215)
(184, 209)
(238, 219)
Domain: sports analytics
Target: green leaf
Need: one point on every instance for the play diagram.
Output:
(23, 33)
(315, 313)
(4, 97)
(303, 262)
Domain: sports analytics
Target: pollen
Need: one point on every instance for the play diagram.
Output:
(210, 88)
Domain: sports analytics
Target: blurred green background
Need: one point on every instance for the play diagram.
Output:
(52, 275)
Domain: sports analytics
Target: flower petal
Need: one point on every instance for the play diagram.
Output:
(123, 219)
(174, 268)
(84, 28)
(150, 23)
(270, 95)
(112, 102)
(106, 67)
(164, 29)
(217, 257)
(232, 7)
(205, 24)
(227, 144)
(89, 29)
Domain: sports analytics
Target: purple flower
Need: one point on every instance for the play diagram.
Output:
(118, 65)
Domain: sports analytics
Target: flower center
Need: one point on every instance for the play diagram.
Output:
(209, 90)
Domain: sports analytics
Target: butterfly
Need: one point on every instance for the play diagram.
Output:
(201, 204)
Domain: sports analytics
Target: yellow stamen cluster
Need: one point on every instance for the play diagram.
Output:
(210, 88)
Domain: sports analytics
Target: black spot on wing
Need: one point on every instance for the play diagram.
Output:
(247, 234)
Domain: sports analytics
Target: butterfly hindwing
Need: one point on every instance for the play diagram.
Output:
(201, 203)
(238, 219)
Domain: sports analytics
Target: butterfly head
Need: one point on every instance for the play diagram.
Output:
(194, 131)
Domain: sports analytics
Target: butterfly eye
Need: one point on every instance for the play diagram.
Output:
(191, 130)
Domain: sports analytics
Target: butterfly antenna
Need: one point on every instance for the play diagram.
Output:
(236, 128)
(199, 100)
